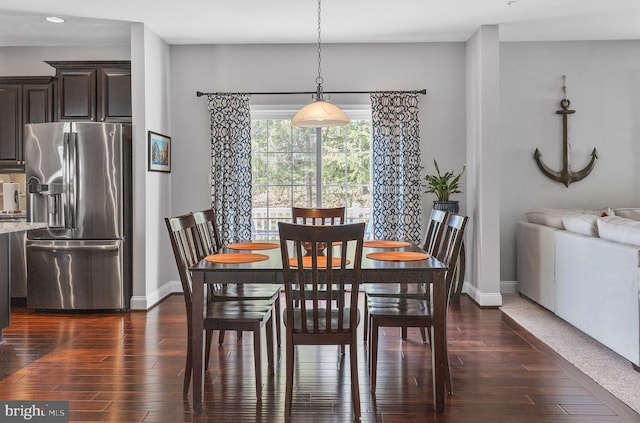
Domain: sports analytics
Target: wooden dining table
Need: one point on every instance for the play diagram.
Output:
(429, 270)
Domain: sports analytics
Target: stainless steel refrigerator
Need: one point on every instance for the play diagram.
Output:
(78, 178)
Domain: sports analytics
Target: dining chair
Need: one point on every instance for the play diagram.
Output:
(318, 216)
(209, 243)
(410, 312)
(318, 318)
(231, 315)
(419, 291)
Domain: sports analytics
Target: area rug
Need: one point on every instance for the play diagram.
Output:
(605, 367)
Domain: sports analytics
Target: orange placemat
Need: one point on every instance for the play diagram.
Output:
(322, 261)
(385, 244)
(398, 256)
(253, 246)
(236, 258)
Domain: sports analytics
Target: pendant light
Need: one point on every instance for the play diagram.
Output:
(319, 114)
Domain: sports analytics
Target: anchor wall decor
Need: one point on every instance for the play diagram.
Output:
(565, 176)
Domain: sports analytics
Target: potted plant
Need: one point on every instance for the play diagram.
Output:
(443, 185)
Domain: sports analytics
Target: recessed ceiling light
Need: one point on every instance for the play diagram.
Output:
(55, 19)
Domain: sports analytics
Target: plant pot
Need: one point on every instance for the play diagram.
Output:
(450, 206)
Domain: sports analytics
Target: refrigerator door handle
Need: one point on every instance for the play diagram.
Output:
(71, 178)
(72, 247)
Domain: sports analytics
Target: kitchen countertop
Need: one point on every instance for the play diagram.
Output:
(7, 227)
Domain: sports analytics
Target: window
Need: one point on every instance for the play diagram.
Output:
(302, 167)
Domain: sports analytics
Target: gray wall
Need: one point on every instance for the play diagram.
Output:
(29, 61)
(440, 68)
(603, 85)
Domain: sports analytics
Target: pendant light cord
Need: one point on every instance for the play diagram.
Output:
(319, 79)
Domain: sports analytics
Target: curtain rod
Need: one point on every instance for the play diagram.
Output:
(423, 91)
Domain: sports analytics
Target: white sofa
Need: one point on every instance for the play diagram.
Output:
(591, 282)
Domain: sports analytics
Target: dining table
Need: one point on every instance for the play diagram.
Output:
(269, 270)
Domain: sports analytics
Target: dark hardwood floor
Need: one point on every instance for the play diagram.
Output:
(128, 368)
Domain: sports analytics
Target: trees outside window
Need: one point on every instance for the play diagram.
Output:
(303, 167)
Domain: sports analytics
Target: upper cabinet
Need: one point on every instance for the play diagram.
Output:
(98, 91)
(22, 100)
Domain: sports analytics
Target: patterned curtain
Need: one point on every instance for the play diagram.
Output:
(396, 166)
(231, 165)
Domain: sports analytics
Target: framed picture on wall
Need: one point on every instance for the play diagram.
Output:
(159, 154)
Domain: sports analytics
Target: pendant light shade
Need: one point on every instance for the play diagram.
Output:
(319, 114)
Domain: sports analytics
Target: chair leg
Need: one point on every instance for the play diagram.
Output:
(368, 344)
(404, 333)
(447, 368)
(423, 335)
(355, 386)
(270, 361)
(447, 377)
(278, 321)
(288, 398)
(373, 353)
(207, 350)
(188, 366)
(220, 337)
(366, 317)
(257, 359)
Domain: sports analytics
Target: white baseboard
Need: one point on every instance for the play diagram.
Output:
(483, 299)
(153, 298)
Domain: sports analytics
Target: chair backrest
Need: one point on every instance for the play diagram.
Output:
(207, 230)
(435, 231)
(322, 276)
(318, 216)
(451, 244)
(183, 236)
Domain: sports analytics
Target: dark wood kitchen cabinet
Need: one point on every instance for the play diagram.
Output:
(22, 100)
(98, 91)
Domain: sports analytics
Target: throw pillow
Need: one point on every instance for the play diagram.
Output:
(608, 211)
(550, 217)
(584, 224)
(619, 229)
(629, 213)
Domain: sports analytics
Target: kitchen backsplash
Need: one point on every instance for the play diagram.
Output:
(20, 179)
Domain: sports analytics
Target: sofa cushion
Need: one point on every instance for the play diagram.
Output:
(584, 224)
(629, 213)
(608, 211)
(619, 229)
(551, 217)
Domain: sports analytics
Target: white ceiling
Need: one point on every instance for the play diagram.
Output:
(294, 21)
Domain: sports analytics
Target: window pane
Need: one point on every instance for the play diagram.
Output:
(358, 168)
(304, 196)
(259, 135)
(333, 196)
(333, 139)
(259, 196)
(304, 169)
(279, 169)
(259, 168)
(334, 168)
(279, 136)
(303, 140)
